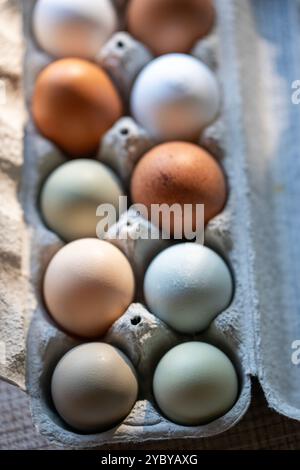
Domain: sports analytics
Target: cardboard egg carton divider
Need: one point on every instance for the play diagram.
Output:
(38, 343)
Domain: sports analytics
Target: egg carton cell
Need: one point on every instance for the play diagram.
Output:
(144, 339)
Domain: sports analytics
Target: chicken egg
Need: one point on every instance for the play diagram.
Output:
(195, 383)
(87, 286)
(175, 97)
(71, 195)
(74, 28)
(180, 173)
(94, 387)
(170, 25)
(187, 286)
(74, 104)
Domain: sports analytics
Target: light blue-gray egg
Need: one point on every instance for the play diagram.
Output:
(195, 383)
(187, 286)
(73, 192)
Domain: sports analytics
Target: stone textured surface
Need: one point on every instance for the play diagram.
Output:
(13, 285)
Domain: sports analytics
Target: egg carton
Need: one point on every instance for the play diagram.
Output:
(251, 330)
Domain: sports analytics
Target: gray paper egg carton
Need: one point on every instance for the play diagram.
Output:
(251, 330)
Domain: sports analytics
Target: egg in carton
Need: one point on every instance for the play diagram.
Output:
(143, 337)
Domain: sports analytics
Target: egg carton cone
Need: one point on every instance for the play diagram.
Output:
(256, 233)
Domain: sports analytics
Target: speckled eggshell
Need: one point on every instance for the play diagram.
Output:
(187, 286)
(195, 383)
(87, 286)
(73, 28)
(175, 97)
(170, 25)
(74, 104)
(94, 387)
(71, 195)
(180, 173)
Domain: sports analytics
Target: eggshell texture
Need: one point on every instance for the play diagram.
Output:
(94, 386)
(87, 286)
(74, 28)
(74, 104)
(71, 195)
(195, 383)
(175, 97)
(187, 286)
(182, 173)
(170, 25)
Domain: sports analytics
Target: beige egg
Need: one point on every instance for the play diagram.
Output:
(94, 387)
(87, 286)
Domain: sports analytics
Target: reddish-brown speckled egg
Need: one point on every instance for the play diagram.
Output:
(180, 173)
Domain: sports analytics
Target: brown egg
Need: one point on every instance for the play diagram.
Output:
(182, 173)
(88, 285)
(74, 104)
(170, 25)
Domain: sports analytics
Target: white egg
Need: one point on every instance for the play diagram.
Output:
(77, 28)
(195, 383)
(187, 286)
(175, 97)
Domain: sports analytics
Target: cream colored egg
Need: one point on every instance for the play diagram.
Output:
(94, 387)
(73, 192)
(195, 383)
(88, 285)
